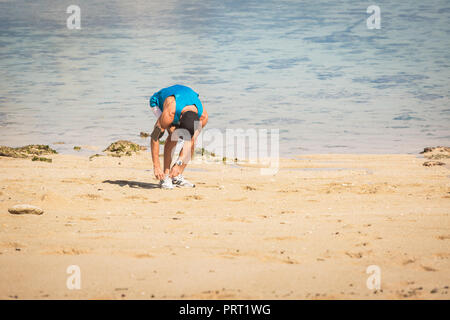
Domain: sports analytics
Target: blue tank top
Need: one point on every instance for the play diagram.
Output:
(184, 96)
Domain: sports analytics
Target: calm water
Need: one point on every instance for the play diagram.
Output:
(310, 68)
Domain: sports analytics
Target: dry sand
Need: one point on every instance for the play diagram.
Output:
(305, 233)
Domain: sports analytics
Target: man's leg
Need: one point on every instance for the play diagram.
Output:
(168, 148)
(179, 180)
(188, 146)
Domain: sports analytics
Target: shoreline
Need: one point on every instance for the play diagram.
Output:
(86, 149)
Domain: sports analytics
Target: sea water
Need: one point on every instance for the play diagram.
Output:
(312, 69)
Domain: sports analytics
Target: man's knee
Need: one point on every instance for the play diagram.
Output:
(171, 141)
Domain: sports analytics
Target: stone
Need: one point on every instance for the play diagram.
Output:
(433, 163)
(25, 209)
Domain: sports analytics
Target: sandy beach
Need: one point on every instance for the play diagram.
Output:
(308, 232)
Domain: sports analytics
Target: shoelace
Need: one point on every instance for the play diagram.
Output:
(179, 178)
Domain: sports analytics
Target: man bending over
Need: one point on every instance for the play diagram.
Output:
(176, 107)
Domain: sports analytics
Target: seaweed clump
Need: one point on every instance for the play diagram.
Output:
(122, 148)
(436, 153)
(26, 151)
(36, 158)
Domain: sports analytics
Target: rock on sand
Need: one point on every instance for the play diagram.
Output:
(436, 153)
(25, 209)
(433, 163)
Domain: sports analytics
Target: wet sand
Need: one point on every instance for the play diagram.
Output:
(309, 232)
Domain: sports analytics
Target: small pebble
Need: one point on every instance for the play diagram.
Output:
(25, 209)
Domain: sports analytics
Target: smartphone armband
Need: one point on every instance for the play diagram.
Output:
(157, 133)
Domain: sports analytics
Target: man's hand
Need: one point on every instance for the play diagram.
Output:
(159, 174)
(176, 170)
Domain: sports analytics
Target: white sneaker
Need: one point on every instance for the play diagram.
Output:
(181, 182)
(166, 183)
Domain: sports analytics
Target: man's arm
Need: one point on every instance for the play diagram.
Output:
(154, 147)
(168, 114)
(163, 122)
(204, 118)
